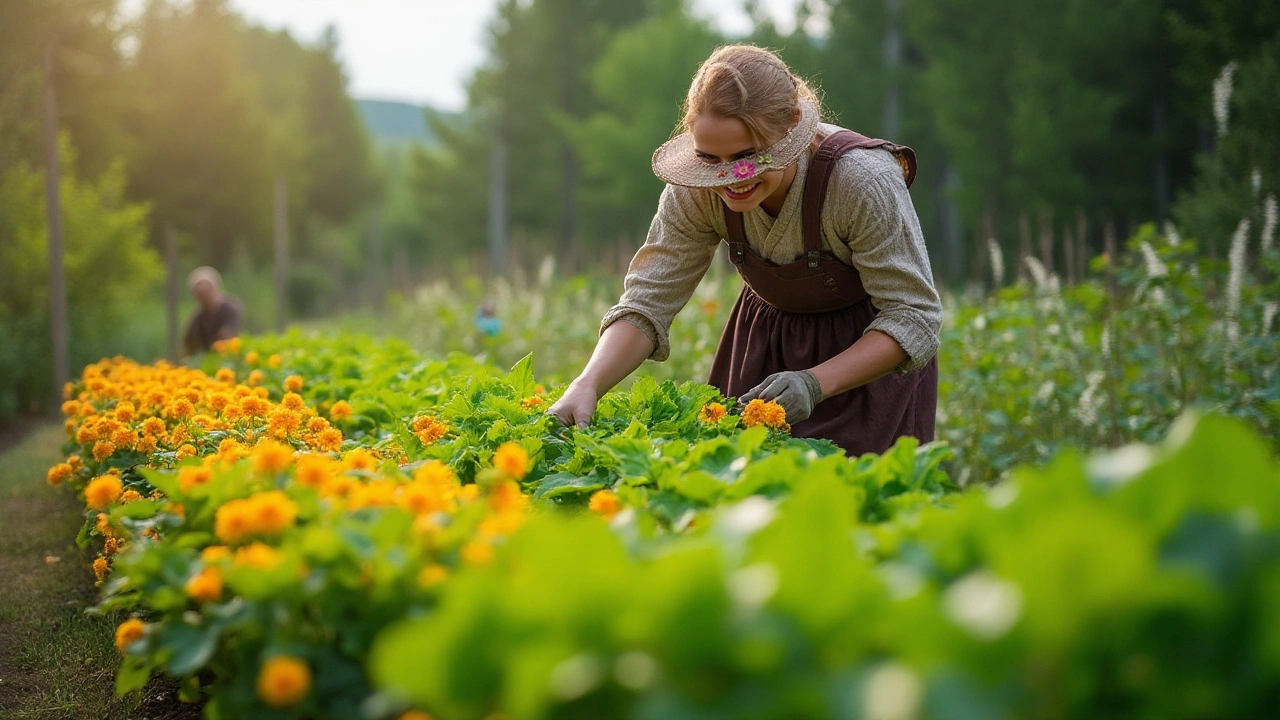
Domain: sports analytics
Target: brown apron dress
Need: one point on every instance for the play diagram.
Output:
(800, 314)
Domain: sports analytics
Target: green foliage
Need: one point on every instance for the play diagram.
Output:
(106, 261)
(1058, 594)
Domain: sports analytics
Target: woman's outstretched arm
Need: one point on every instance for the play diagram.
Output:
(620, 350)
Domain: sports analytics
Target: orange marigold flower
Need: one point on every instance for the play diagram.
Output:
(226, 375)
(125, 411)
(148, 444)
(129, 496)
(770, 414)
(282, 422)
(604, 503)
(341, 410)
(230, 450)
(233, 522)
(505, 496)
(215, 553)
(270, 456)
(477, 552)
(70, 407)
(103, 525)
(185, 450)
(429, 429)
(329, 440)
(274, 361)
(360, 459)
(251, 357)
(283, 681)
(293, 401)
(432, 574)
(419, 497)
(180, 408)
(255, 378)
(273, 512)
(102, 491)
(189, 476)
(233, 345)
(258, 555)
(293, 383)
(103, 450)
(711, 413)
(511, 459)
(468, 493)
(100, 568)
(153, 426)
(58, 473)
(317, 424)
(206, 586)
(436, 473)
(129, 632)
(111, 546)
(124, 438)
(532, 402)
(313, 470)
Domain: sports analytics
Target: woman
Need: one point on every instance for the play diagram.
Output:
(838, 320)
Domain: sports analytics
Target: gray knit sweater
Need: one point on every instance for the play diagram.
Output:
(868, 221)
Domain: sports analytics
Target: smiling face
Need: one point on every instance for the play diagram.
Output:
(718, 139)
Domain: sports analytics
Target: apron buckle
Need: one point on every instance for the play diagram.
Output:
(813, 258)
(738, 254)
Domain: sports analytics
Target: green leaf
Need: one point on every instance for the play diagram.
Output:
(562, 484)
(521, 377)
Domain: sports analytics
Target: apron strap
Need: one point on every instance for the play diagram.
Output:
(819, 176)
(737, 235)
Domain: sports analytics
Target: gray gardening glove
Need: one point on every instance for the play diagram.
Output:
(797, 391)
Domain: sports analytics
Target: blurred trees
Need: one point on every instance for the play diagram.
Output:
(1027, 116)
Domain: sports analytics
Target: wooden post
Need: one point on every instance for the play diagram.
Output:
(53, 208)
(280, 225)
(1046, 240)
(172, 274)
(1024, 245)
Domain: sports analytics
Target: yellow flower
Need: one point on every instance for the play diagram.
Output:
(531, 402)
(341, 410)
(103, 450)
(477, 552)
(328, 440)
(272, 512)
(505, 496)
(429, 429)
(274, 361)
(293, 401)
(205, 586)
(129, 632)
(432, 574)
(125, 411)
(313, 470)
(770, 414)
(270, 456)
(58, 473)
(233, 522)
(226, 375)
(360, 459)
(258, 555)
(604, 503)
(419, 497)
(129, 496)
(251, 357)
(283, 681)
(70, 407)
(180, 408)
(102, 491)
(186, 450)
(511, 459)
(293, 383)
(189, 476)
(436, 473)
(711, 413)
(100, 568)
(255, 377)
(282, 422)
(215, 553)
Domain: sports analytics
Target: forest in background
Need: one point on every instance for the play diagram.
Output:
(1040, 125)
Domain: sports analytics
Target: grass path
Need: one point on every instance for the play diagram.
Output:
(56, 661)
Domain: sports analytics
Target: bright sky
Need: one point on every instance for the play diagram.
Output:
(424, 51)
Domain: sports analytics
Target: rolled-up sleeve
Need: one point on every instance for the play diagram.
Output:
(889, 253)
(667, 268)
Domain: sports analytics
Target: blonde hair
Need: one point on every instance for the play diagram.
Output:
(750, 84)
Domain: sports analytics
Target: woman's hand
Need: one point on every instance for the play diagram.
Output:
(796, 391)
(576, 406)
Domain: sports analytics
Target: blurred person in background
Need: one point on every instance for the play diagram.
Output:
(216, 318)
(839, 319)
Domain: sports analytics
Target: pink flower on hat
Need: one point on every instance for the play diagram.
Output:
(744, 169)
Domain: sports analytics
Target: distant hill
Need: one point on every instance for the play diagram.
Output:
(396, 122)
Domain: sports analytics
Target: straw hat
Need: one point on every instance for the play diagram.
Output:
(677, 163)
